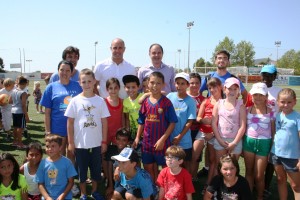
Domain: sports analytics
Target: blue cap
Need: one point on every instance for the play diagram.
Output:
(271, 69)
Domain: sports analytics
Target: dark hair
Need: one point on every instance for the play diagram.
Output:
(111, 81)
(22, 80)
(70, 50)
(66, 63)
(228, 158)
(123, 132)
(175, 151)
(88, 72)
(274, 74)
(54, 138)
(213, 82)
(155, 44)
(131, 79)
(146, 78)
(134, 157)
(16, 170)
(35, 145)
(222, 52)
(158, 75)
(195, 75)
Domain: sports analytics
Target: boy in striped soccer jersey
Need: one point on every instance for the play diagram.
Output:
(157, 120)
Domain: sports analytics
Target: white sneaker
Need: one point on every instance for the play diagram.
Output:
(75, 190)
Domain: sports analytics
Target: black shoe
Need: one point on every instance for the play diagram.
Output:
(202, 172)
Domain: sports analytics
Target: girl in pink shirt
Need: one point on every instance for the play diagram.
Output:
(229, 121)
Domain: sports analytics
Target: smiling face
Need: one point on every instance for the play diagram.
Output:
(194, 86)
(155, 85)
(122, 142)
(232, 91)
(268, 78)
(222, 61)
(132, 89)
(228, 170)
(113, 90)
(286, 103)
(259, 99)
(64, 72)
(34, 156)
(73, 58)
(156, 55)
(117, 50)
(181, 86)
(53, 150)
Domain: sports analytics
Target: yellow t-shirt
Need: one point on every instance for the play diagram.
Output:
(8, 193)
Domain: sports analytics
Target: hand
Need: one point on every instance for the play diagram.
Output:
(176, 140)
(71, 148)
(208, 136)
(27, 119)
(159, 145)
(109, 192)
(117, 174)
(223, 143)
(135, 143)
(103, 148)
(231, 146)
(60, 197)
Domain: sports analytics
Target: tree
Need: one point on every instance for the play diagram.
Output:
(227, 44)
(199, 63)
(244, 54)
(291, 59)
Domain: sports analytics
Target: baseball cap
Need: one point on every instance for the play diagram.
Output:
(269, 69)
(231, 81)
(183, 75)
(130, 78)
(259, 88)
(127, 154)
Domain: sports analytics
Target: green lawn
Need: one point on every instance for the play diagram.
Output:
(36, 132)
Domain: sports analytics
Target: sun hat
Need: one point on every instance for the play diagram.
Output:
(127, 154)
(231, 81)
(271, 69)
(259, 88)
(183, 75)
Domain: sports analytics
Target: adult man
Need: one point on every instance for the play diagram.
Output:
(115, 67)
(70, 54)
(222, 61)
(156, 53)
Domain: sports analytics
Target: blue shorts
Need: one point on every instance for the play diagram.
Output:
(149, 158)
(135, 192)
(19, 120)
(289, 164)
(88, 158)
(188, 154)
(236, 150)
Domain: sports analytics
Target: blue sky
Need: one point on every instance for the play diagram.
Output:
(44, 28)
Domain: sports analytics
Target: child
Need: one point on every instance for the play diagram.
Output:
(131, 106)
(229, 121)
(205, 134)
(6, 109)
(228, 184)
(185, 109)
(285, 152)
(157, 120)
(55, 173)
(18, 99)
(258, 139)
(34, 155)
(37, 94)
(135, 183)
(145, 85)
(87, 132)
(174, 181)
(13, 185)
(122, 140)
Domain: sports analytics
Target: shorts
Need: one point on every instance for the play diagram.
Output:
(34, 197)
(135, 192)
(37, 101)
(6, 119)
(19, 120)
(149, 158)
(236, 150)
(289, 164)
(188, 154)
(194, 134)
(259, 147)
(200, 136)
(112, 150)
(88, 158)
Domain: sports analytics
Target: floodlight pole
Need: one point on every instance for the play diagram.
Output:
(189, 26)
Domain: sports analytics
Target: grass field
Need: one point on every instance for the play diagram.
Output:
(36, 132)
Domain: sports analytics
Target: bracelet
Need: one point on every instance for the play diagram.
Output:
(104, 142)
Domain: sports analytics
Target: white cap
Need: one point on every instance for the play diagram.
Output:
(183, 75)
(127, 154)
(259, 88)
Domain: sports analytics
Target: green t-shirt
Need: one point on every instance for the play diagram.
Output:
(132, 108)
(8, 193)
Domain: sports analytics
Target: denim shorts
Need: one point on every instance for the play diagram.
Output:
(236, 150)
(135, 192)
(289, 164)
(88, 158)
(259, 147)
(200, 136)
(149, 158)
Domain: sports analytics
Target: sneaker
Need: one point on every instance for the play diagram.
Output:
(83, 197)
(75, 190)
(97, 196)
(202, 172)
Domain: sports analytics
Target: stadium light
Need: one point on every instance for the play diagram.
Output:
(95, 52)
(189, 26)
(29, 61)
(277, 44)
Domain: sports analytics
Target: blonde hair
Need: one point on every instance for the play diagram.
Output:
(288, 92)
(35, 84)
(175, 151)
(8, 82)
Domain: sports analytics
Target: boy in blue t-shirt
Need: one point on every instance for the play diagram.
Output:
(185, 108)
(134, 183)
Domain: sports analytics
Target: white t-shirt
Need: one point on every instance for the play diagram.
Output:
(272, 98)
(87, 113)
(108, 69)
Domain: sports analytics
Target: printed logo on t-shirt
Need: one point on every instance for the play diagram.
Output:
(90, 122)
(8, 197)
(52, 174)
(152, 118)
(229, 196)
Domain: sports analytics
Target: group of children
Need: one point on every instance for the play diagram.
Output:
(169, 131)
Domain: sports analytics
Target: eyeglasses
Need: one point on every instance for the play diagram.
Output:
(171, 158)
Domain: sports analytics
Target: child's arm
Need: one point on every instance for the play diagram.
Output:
(207, 195)
(201, 112)
(138, 135)
(70, 128)
(241, 130)
(189, 196)
(126, 121)
(104, 135)
(214, 125)
(117, 174)
(22, 169)
(187, 127)
(67, 190)
(161, 193)
(143, 97)
(24, 106)
(159, 145)
(47, 120)
(44, 192)
(24, 195)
